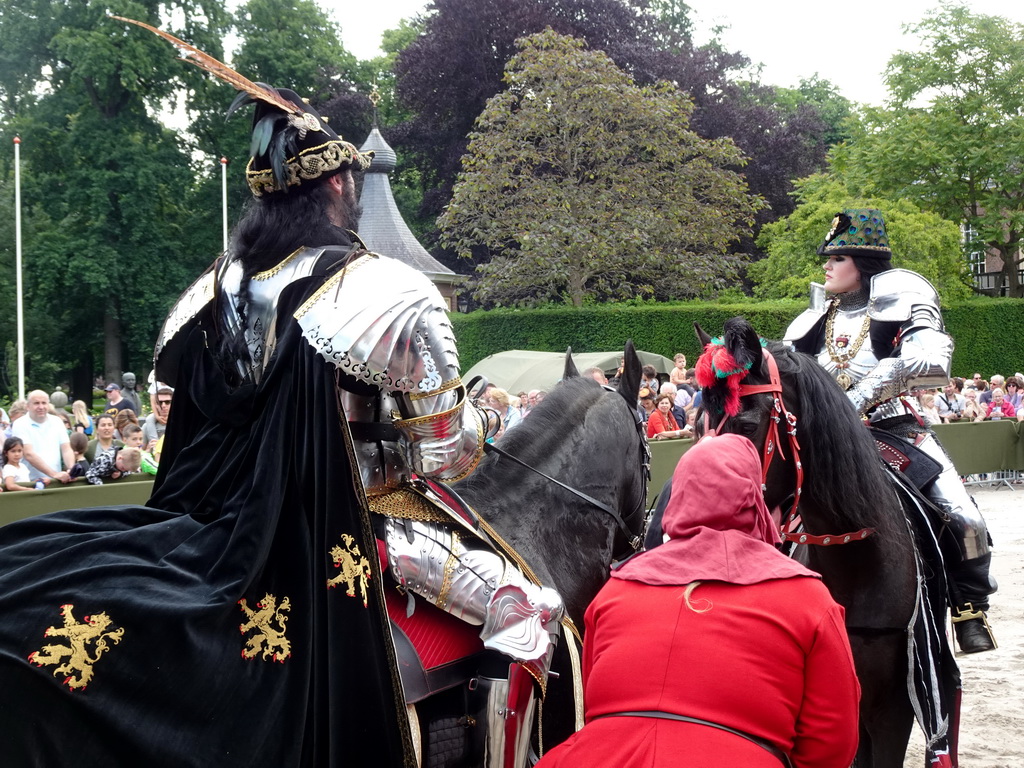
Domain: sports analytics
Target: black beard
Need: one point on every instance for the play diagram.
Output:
(348, 211)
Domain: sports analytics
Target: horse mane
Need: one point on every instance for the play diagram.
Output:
(842, 471)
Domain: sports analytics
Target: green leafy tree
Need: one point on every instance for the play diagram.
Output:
(921, 241)
(103, 180)
(675, 15)
(833, 109)
(951, 138)
(293, 44)
(580, 185)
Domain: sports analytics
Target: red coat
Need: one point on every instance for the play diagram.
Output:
(658, 423)
(771, 659)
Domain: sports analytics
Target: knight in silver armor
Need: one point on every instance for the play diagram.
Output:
(384, 328)
(879, 332)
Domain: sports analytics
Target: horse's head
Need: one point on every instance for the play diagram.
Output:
(585, 437)
(629, 517)
(629, 380)
(838, 473)
(737, 397)
(720, 398)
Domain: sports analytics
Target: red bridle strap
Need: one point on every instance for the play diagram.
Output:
(778, 413)
(827, 539)
(773, 444)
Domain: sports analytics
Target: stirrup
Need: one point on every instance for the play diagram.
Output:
(973, 633)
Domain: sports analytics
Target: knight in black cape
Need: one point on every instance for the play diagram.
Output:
(238, 619)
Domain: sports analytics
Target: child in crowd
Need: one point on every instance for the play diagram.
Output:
(929, 411)
(83, 421)
(122, 420)
(114, 465)
(133, 438)
(677, 375)
(15, 471)
(79, 443)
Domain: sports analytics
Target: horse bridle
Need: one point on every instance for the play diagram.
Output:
(632, 538)
(778, 413)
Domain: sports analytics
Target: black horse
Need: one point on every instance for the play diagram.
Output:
(588, 438)
(845, 488)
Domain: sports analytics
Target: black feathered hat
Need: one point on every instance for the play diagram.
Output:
(290, 149)
(291, 143)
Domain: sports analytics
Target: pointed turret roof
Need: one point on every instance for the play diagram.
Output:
(381, 226)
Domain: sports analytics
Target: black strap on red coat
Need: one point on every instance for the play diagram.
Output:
(659, 715)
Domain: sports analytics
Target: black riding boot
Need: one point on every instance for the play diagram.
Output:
(972, 584)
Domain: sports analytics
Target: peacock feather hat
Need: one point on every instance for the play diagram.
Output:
(857, 232)
(292, 144)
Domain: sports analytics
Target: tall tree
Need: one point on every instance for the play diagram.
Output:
(951, 137)
(449, 72)
(446, 75)
(108, 176)
(582, 185)
(833, 109)
(921, 241)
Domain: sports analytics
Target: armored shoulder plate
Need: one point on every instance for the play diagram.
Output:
(382, 322)
(896, 292)
(803, 322)
(195, 298)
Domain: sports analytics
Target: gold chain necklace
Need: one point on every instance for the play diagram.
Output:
(840, 350)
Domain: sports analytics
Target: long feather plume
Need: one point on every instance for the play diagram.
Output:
(204, 61)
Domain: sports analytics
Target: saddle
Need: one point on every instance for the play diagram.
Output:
(436, 651)
(915, 465)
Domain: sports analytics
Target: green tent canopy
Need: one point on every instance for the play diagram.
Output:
(520, 370)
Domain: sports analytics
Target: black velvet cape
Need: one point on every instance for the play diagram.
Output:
(256, 487)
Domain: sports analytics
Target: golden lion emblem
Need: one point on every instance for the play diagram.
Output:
(355, 569)
(270, 639)
(91, 631)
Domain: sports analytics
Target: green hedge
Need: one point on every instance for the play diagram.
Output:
(989, 335)
(988, 332)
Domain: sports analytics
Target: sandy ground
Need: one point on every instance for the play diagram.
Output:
(992, 718)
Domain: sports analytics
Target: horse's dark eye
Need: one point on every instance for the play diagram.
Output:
(748, 428)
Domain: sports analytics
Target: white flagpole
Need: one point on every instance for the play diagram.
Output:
(17, 262)
(224, 197)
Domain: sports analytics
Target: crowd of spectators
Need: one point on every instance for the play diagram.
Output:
(974, 399)
(46, 442)
(668, 408)
(668, 404)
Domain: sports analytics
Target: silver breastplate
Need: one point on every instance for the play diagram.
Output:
(850, 326)
(264, 292)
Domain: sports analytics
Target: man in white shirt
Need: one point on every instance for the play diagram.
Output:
(45, 438)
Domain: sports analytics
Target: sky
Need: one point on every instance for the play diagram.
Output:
(793, 39)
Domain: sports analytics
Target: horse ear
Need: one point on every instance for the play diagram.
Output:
(629, 381)
(570, 371)
(702, 337)
(743, 343)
